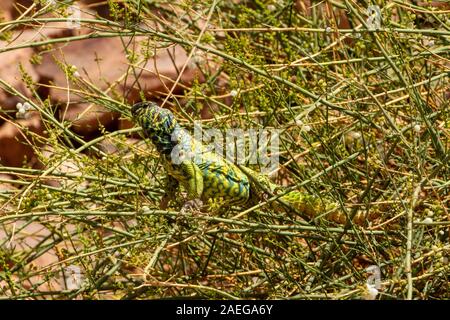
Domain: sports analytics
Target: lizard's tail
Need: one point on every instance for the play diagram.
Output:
(313, 206)
(310, 205)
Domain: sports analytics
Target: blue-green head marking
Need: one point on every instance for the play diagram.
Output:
(158, 124)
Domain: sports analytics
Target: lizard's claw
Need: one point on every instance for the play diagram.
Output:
(191, 205)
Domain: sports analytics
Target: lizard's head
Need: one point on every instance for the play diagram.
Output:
(158, 124)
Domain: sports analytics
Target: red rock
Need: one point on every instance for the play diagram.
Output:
(103, 63)
(70, 27)
(325, 11)
(16, 143)
(87, 119)
(10, 73)
(5, 14)
(5, 185)
(442, 5)
(17, 7)
(14, 8)
(26, 237)
(69, 166)
(125, 124)
(100, 6)
(11, 58)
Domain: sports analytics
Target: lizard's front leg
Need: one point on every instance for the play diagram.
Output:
(193, 183)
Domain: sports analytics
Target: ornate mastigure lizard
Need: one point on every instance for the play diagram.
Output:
(205, 175)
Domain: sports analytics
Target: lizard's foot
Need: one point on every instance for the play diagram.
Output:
(164, 203)
(191, 205)
(165, 200)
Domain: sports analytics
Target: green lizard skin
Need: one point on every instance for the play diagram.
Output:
(208, 176)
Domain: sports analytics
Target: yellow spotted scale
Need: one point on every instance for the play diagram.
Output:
(206, 175)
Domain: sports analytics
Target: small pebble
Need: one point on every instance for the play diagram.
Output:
(427, 220)
(428, 43)
(371, 293)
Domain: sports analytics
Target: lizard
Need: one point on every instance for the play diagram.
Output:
(206, 175)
